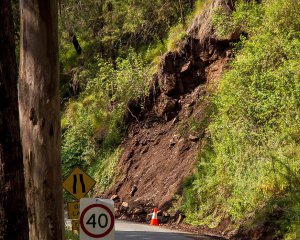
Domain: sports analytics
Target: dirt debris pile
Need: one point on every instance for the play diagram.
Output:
(159, 152)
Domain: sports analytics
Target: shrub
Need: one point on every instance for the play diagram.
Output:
(93, 124)
(253, 160)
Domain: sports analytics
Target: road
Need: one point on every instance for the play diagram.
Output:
(134, 231)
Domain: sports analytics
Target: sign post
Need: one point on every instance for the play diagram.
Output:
(75, 225)
(97, 220)
(78, 183)
(73, 210)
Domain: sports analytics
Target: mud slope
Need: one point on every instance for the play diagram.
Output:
(159, 152)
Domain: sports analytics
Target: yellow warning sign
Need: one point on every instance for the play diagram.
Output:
(75, 225)
(73, 210)
(78, 183)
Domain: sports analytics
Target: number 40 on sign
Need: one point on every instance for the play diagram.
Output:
(97, 219)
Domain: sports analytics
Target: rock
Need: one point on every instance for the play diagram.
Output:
(125, 204)
(138, 210)
(232, 233)
(161, 132)
(230, 53)
(157, 141)
(167, 65)
(117, 213)
(188, 112)
(175, 120)
(144, 142)
(172, 142)
(166, 214)
(186, 66)
(130, 153)
(166, 106)
(145, 150)
(165, 217)
(133, 190)
(180, 218)
(168, 83)
(192, 103)
(124, 207)
(193, 138)
(183, 146)
(118, 205)
(136, 218)
(214, 68)
(174, 139)
(115, 198)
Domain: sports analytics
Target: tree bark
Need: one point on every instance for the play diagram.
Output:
(40, 118)
(181, 12)
(13, 213)
(76, 44)
(191, 4)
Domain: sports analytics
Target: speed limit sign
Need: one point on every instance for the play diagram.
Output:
(97, 219)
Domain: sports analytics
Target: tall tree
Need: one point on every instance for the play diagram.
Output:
(40, 118)
(13, 213)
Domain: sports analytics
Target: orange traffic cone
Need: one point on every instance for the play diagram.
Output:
(154, 220)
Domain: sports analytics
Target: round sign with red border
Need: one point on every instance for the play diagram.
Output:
(97, 220)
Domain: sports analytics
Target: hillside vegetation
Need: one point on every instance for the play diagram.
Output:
(120, 46)
(248, 165)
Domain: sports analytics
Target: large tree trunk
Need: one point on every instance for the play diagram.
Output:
(13, 213)
(40, 118)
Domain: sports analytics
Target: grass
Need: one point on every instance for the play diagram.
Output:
(249, 166)
(69, 235)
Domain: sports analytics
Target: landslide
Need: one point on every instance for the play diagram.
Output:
(163, 139)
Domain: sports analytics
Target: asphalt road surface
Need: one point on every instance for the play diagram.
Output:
(134, 231)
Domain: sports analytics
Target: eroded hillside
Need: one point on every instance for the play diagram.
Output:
(163, 139)
(222, 147)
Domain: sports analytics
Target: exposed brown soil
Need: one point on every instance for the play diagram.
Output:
(156, 158)
(160, 150)
(158, 153)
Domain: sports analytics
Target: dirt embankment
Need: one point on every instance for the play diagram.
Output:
(160, 151)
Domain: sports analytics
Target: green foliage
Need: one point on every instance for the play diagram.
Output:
(246, 18)
(122, 42)
(177, 37)
(153, 51)
(199, 5)
(69, 235)
(107, 28)
(253, 159)
(104, 171)
(177, 34)
(119, 24)
(93, 124)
